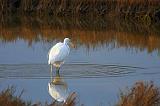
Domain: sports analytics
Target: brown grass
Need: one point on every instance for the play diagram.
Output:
(8, 98)
(132, 8)
(141, 94)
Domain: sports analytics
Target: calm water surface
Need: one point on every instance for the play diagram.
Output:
(108, 57)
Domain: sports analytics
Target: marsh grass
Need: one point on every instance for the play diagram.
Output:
(128, 8)
(8, 98)
(141, 94)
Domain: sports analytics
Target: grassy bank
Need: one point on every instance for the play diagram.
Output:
(138, 9)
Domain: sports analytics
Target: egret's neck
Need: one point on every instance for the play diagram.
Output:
(66, 43)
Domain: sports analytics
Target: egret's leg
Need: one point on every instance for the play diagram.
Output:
(51, 72)
(57, 70)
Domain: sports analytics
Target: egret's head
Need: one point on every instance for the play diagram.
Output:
(67, 41)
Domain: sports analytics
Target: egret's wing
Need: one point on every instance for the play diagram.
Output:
(64, 52)
(53, 52)
(58, 53)
(55, 49)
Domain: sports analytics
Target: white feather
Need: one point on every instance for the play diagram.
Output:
(58, 53)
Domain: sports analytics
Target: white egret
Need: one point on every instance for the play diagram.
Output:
(58, 53)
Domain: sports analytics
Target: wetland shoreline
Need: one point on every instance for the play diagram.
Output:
(145, 11)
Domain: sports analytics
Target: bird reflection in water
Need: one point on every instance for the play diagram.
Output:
(58, 89)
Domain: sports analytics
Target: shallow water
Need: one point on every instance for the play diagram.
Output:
(104, 61)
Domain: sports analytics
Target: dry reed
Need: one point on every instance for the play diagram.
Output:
(132, 8)
(141, 94)
(8, 98)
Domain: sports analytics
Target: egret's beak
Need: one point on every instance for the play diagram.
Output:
(72, 45)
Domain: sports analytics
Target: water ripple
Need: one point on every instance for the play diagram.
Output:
(42, 71)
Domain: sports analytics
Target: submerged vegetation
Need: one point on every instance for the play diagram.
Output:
(141, 94)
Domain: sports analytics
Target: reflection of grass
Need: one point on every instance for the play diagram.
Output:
(141, 94)
(90, 32)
